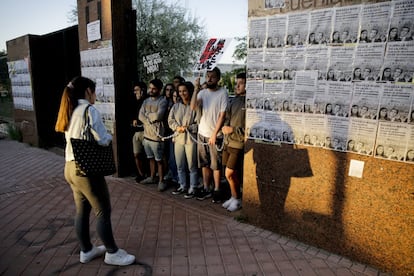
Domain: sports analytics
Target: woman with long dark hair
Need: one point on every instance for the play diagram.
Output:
(89, 193)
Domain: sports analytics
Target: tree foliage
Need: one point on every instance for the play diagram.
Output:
(171, 31)
(240, 53)
(228, 79)
(72, 16)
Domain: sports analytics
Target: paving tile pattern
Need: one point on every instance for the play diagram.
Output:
(168, 234)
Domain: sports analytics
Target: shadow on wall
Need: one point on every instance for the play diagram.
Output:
(305, 193)
(277, 160)
(293, 198)
(274, 177)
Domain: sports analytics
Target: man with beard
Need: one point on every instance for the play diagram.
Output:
(152, 114)
(213, 103)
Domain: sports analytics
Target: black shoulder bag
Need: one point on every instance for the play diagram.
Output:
(91, 158)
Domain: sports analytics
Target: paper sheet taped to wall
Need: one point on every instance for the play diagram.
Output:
(356, 168)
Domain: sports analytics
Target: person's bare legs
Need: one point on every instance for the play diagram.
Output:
(139, 164)
(207, 174)
(162, 186)
(152, 167)
(234, 202)
(217, 176)
(160, 167)
(233, 179)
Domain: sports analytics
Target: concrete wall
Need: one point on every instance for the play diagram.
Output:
(19, 49)
(306, 192)
(52, 60)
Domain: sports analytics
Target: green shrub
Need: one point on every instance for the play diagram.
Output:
(14, 132)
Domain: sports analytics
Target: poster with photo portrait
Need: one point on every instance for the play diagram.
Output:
(257, 33)
(375, 20)
(346, 23)
(274, 4)
(297, 29)
(402, 21)
(276, 31)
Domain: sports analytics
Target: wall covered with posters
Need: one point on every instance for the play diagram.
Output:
(37, 95)
(330, 105)
(96, 64)
(96, 52)
(21, 84)
(107, 44)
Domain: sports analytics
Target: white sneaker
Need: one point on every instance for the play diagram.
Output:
(190, 193)
(92, 254)
(191, 190)
(149, 180)
(120, 257)
(234, 205)
(226, 204)
(168, 176)
(180, 190)
(162, 186)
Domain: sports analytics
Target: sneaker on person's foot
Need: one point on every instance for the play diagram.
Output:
(95, 252)
(203, 194)
(139, 178)
(180, 190)
(216, 197)
(120, 257)
(168, 176)
(149, 180)
(190, 193)
(162, 186)
(234, 205)
(226, 204)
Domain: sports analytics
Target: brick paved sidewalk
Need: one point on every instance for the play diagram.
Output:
(168, 235)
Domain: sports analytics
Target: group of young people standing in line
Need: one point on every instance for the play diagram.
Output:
(205, 131)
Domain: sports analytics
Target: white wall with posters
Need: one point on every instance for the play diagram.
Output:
(329, 107)
(362, 57)
(97, 64)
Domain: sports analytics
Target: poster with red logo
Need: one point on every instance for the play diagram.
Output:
(211, 53)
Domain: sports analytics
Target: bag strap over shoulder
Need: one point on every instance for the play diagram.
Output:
(86, 115)
(86, 130)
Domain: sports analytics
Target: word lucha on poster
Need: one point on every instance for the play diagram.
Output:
(151, 62)
(211, 53)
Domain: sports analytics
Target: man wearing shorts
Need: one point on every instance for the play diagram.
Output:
(152, 114)
(233, 153)
(213, 102)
